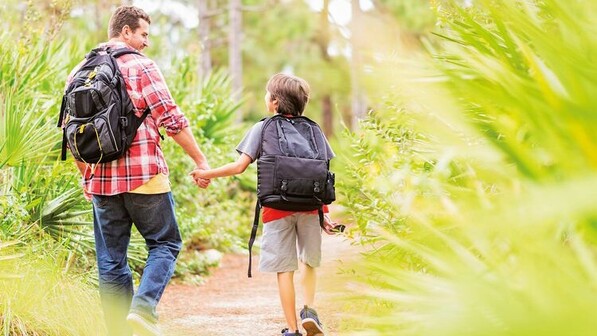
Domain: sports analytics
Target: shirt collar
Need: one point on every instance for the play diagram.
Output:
(117, 44)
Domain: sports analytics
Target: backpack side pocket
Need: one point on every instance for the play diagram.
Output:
(329, 193)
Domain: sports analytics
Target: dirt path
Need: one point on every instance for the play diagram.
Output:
(229, 303)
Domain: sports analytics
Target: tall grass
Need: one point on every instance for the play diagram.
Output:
(44, 280)
(477, 179)
(39, 299)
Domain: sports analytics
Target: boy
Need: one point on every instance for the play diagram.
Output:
(284, 231)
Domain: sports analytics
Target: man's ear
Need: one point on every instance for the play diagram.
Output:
(126, 31)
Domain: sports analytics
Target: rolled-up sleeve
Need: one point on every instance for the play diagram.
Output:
(159, 100)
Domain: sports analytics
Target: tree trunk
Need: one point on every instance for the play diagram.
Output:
(359, 105)
(324, 25)
(204, 30)
(328, 115)
(324, 42)
(101, 34)
(234, 51)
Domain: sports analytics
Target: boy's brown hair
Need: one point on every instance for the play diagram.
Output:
(126, 16)
(291, 92)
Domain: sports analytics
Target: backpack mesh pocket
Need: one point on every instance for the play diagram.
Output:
(92, 139)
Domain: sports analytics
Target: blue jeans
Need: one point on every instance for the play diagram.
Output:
(153, 216)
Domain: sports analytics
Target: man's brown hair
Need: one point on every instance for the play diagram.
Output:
(126, 16)
(291, 92)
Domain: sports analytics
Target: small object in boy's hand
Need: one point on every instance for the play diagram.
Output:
(338, 228)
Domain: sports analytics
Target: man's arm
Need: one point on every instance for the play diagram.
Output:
(155, 94)
(81, 167)
(186, 140)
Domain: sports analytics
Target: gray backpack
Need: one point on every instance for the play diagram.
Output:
(293, 168)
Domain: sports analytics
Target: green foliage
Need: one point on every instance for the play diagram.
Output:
(413, 15)
(20, 96)
(285, 37)
(207, 102)
(217, 217)
(541, 52)
(475, 193)
(193, 265)
(38, 298)
(372, 158)
(41, 204)
(36, 190)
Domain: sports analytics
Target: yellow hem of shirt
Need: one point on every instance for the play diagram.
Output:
(158, 184)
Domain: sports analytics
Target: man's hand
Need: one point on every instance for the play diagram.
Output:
(199, 176)
(185, 139)
(198, 173)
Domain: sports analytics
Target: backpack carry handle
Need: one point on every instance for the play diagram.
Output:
(267, 120)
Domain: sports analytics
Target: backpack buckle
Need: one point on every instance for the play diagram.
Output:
(316, 188)
(124, 122)
(284, 185)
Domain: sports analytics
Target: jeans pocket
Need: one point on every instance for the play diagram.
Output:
(147, 201)
(100, 201)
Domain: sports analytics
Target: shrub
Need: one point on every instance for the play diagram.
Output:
(486, 223)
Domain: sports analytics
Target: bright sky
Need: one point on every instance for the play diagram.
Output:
(188, 15)
(340, 10)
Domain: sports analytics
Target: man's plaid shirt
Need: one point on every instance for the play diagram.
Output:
(144, 159)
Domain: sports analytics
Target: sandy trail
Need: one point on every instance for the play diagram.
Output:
(229, 303)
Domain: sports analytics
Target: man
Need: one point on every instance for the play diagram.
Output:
(135, 188)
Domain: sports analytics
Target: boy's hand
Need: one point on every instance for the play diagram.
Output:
(199, 177)
(198, 173)
(330, 227)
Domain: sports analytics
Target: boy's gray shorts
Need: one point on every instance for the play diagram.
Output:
(284, 238)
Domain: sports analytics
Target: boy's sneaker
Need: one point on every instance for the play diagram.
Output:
(310, 322)
(143, 324)
(285, 332)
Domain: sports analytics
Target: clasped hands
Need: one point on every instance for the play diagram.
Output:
(197, 176)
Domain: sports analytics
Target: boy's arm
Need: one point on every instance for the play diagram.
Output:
(233, 168)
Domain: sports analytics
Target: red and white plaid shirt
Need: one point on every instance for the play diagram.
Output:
(144, 159)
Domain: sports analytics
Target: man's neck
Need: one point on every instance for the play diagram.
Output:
(117, 40)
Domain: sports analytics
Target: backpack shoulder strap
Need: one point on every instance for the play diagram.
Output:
(123, 51)
(253, 234)
(63, 147)
(266, 122)
(305, 118)
(320, 213)
(94, 52)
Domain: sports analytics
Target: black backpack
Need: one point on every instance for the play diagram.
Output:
(97, 112)
(293, 169)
